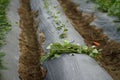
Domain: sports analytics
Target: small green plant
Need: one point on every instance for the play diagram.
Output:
(56, 49)
(58, 12)
(59, 24)
(114, 10)
(59, 28)
(1, 65)
(110, 6)
(63, 35)
(4, 23)
(46, 4)
(55, 17)
(4, 27)
(65, 29)
(104, 4)
(1, 56)
(118, 28)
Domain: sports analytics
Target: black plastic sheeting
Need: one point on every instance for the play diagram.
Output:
(48, 26)
(67, 67)
(77, 67)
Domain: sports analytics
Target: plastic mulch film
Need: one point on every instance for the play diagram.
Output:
(108, 23)
(11, 49)
(67, 67)
(53, 18)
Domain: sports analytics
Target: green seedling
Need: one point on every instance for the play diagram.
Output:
(56, 49)
(118, 28)
(59, 28)
(58, 12)
(46, 5)
(55, 17)
(60, 25)
(63, 35)
(65, 29)
(4, 27)
(110, 6)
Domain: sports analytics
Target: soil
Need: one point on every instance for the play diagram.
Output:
(110, 48)
(29, 61)
(42, 37)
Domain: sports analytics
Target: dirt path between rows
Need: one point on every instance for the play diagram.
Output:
(110, 49)
(30, 49)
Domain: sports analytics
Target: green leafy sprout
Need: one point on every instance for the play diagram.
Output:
(63, 35)
(4, 27)
(60, 26)
(56, 49)
(46, 5)
(118, 28)
(4, 23)
(2, 54)
(110, 6)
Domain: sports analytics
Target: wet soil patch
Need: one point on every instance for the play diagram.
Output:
(91, 34)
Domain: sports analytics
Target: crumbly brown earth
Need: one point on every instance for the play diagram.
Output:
(111, 49)
(29, 62)
(42, 38)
